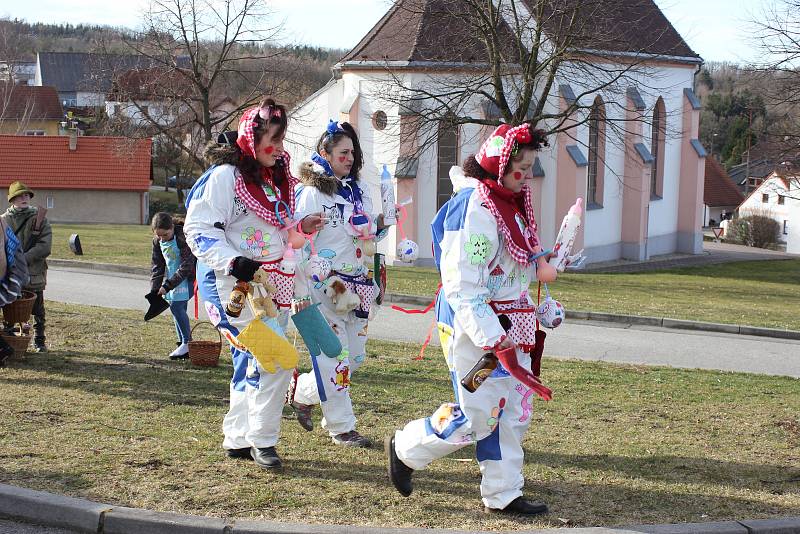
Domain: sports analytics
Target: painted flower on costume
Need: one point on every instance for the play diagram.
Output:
(478, 247)
(497, 412)
(253, 240)
(480, 306)
(495, 146)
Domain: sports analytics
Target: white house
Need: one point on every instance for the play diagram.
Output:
(645, 191)
(778, 197)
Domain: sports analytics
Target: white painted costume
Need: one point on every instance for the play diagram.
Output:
(480, 280)
(219, 227)
(340, 202)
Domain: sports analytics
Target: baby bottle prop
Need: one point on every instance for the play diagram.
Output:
(550, 312)
(387, 198)
(407, 250)
(317, 267)
(566, 239)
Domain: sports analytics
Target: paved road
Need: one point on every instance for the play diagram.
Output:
(574, 340)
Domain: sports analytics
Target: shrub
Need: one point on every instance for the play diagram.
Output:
(754, 231)
(168, 206)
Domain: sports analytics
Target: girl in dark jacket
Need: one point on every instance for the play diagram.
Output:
(173, 273)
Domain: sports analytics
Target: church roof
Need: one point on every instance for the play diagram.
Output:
(435, 31)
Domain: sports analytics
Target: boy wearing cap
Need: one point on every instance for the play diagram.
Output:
(35, 235)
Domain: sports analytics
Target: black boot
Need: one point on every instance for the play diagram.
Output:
(266, 457)
(38, 344)
(520, 506)
(399, 473)
(244, 453)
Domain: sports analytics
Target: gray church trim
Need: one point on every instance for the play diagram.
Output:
(577, 156)
(692, 98)
(538, 170)
(644, 153)
(698, 147)
(406, 167)
(567, 93)
(636, 98)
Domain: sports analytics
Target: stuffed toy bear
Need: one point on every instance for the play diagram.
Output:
(342, 298)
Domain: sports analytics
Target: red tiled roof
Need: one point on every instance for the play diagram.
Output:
(435, 30)
(29, 102)
(98, 163)
(719, 189)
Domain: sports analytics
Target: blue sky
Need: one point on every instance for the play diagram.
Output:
(716, 29)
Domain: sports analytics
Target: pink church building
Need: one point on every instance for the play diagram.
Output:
(643, 187)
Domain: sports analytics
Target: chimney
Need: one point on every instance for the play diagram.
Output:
(73, 139)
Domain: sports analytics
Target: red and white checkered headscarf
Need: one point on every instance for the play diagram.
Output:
(246, 138)
(497, 149)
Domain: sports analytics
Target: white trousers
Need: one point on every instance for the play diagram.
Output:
(495, 418)
(328, 382)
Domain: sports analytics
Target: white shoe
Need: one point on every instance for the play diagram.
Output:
(181, 353)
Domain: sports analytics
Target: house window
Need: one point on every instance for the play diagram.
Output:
(50, 202)
(597, 134)
(781, 199)
(117, 109)
(657, 146)
(144, 110)
(447, 147)
(785, 227)
(34, 132)
(379, 120)
(764, 198)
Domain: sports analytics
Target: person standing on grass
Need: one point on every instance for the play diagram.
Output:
(172, 275)
(236, 224)
(330, 185)
(485, 242)
(32, 228)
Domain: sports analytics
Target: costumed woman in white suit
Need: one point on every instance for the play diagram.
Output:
(235, 225)
(330, 185)
(486, 247)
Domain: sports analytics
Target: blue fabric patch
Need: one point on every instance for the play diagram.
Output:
(444, 312)
(499, 372)
(199, 186)
(449, 218)
(489, 447)
(205, 243)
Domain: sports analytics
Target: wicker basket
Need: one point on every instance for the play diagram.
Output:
(205, 353)
(20, 310)
(18, 342)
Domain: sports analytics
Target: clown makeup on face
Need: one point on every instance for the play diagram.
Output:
(341, 157)
(518, 170)
(21, 201)
(270, 147)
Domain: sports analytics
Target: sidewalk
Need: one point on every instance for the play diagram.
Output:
(713, 254)
(86, 516)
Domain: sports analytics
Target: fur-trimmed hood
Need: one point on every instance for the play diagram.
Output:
(313, 175)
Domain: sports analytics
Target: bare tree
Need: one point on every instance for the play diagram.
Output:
(505, 60)
(198, 55)
(778, 37)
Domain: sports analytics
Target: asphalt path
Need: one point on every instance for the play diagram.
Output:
(582, 340)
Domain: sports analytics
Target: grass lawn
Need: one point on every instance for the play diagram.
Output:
(758, 293)
(98, 419)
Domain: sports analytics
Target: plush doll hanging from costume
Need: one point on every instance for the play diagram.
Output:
(487, 250)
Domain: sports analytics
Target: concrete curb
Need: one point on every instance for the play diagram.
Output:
(53, 510)
(415, 300)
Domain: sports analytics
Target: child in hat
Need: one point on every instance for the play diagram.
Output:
(31, 227)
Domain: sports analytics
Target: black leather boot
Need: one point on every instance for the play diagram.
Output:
(521, 506)
(399, 473)
(266, 457)
(240, 454)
